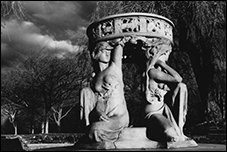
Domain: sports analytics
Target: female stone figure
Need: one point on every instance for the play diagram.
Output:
(162, 123)
(103, 105)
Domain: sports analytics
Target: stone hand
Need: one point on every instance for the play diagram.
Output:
(159, 62)
(135, 39)
(120, 41)
(104, 117)
(163, 86)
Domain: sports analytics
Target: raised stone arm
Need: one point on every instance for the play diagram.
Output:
(119, 45)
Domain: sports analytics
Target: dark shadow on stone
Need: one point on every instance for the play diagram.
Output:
(156, 126)
(83, 142)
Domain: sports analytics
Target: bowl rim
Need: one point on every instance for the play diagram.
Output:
(131, 14)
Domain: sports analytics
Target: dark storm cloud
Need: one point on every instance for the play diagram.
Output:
(53, 24)
(61, 15)
(7, 55)
(27, 34)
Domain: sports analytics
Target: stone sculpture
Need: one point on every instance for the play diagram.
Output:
(103, 105)
(161, 79)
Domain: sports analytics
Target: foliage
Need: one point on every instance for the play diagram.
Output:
(133, 94)
(51, 138)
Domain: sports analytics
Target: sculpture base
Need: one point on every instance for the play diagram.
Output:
(133, 138)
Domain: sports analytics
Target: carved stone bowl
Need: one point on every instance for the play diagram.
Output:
(130, 24)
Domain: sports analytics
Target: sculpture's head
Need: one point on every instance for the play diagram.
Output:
(157, 48)
(166, 52)
(102, 52)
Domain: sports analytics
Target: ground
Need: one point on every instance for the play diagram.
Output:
(40, 141)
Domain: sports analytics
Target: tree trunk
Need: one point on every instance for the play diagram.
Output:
(42, 128)
(47, 126)
(15, 128)
(59, 126)
(32, 126)
(59, 120)
(32, 130)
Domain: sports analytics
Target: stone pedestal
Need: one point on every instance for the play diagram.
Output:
(136, 138)
(133, 138)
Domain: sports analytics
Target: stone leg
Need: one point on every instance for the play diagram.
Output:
(161, 128)
(182, 94)
(87, 104)
(102, 131)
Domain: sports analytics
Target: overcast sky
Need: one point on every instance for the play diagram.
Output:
(53, 24)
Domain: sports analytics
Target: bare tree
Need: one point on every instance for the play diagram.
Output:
(17, 89)
(58, 113)
(12, 7)
(57, 79)
(10, 110)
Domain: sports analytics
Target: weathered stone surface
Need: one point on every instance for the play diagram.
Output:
(133, 138)
(182, 144)
(136, 138)
(142, 24)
